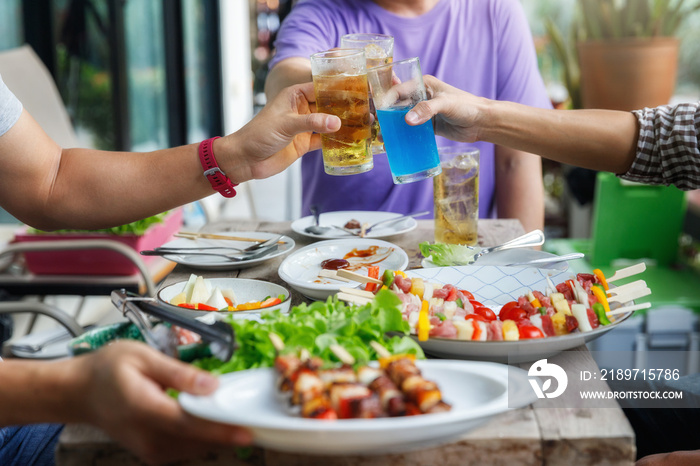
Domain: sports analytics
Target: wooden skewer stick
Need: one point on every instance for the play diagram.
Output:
(192, 235)
(353, 299)
(627, 272)
(381, 351)
(357, 292)
(626, 309)
(356, 277)
(276, 341)
(631, 296)
(333, 274)
(626, 288)
(342, 354)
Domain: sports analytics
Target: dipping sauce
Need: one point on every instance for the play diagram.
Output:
(334, 264)
(370, 251)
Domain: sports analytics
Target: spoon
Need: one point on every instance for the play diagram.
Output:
(533, 238)
(316, 229)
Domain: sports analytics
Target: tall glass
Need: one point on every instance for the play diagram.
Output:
(379, 50)
(340, 85)
(456, 193)
(411, 150)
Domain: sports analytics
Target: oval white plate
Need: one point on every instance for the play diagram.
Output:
(510, 256)
(342, 217)
(246, 290)
(494, 286)
(300, 270)
(221, 263)
(477, 391)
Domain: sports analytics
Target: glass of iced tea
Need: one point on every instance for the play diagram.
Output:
(411, 150)
(456, 193)
(379, 50)
(341, 88)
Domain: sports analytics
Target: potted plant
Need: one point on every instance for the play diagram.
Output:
(621, 54)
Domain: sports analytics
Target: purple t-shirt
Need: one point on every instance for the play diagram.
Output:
(481, 46)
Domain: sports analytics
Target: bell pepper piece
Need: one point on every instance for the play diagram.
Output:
(384, 362)
(602, 299)
(204, 307)
(600, 312)
(423, 322)
(601, 278)
(372, 272)
(270, 302)
(388, 278)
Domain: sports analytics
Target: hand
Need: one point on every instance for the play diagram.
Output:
(123, 393)
(280, 134)
(457, 113)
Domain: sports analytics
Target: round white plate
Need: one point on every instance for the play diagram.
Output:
(494, 286)
(477, 391)
(342, 217)
(514, 256)
(221, 263)
(246, 290)
(300, 270)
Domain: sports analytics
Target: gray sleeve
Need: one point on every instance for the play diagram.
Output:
(10, 108)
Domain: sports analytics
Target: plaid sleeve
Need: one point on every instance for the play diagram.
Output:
(667, 150)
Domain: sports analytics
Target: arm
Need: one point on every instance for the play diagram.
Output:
(520, 192)
(119, 389)
(295, 70)
(50, 187)
(596, 139)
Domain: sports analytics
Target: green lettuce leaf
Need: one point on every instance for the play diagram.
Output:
(448, 254)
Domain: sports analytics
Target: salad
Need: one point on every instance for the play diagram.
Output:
(198, 294)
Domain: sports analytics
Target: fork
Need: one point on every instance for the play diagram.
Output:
(533, 238)
(234, 258)
(383, 222)
(257, 247)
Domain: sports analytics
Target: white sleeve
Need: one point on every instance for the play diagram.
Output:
(10, 108)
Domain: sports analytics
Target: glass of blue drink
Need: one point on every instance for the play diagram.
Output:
(412, 150)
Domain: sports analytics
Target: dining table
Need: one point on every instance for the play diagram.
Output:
(553, 434)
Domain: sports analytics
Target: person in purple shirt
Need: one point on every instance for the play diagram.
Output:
(481, 46)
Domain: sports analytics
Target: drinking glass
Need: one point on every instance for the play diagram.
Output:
(341, 88)
(379, 50)
(456, 195)
(411, 150)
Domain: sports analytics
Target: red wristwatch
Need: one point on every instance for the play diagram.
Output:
(218, 179)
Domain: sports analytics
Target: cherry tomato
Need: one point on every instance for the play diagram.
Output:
(452, 295)
(485, 312)
(467, 295)
(529, 331)
(511, 311)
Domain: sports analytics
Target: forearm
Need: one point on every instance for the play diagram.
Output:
(37, 392)
(597, 139)
(519, 188)
(286, 73)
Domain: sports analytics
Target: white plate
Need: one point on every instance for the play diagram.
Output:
(510, 256)
(221, 263)
(494, 286)
(300, 270)
(477, 391)
(246, 290)
(342, 217)
(57, 348)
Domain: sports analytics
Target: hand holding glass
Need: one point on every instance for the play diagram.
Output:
(379, 50)
(411, 150)
(340, 85)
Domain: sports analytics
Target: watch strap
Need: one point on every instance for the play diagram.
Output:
(218, 179)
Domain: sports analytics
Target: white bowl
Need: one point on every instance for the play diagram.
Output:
(246, 290)
(300, 270)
